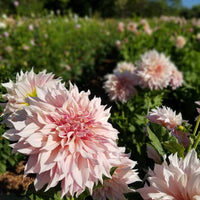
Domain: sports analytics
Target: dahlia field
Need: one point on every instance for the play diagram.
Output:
(99, 109)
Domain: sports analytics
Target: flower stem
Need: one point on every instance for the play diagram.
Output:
(193, 135)
(196, 126)
(197, 141)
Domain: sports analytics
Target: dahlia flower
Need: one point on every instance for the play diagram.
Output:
(166, 117)
(118, 44)
(131, 26)
(198, 36)
(67, 137)
(148, 30)
(176, 78)
(154, 70)
(121, 27)
(180, 42)
(125, 66)
(115, 187)
(120, 86)
(26, 85)
(177, 181)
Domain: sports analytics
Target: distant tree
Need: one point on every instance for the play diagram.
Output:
(57, 5)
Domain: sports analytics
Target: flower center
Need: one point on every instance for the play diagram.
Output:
(156, 70)
(74, 125)
(31, 94)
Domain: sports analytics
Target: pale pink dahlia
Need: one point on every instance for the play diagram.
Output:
(154, 70)
(131, 26)
(180, 180)
(115, 187)
(180, 42)
(124, 66)
(166, 117)
(176, 78)
(120, 86)
(26, 85)
(121, 27)
(67, 137)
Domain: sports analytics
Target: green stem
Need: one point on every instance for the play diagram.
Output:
(197, 141)
(196, 126)
(193, 135)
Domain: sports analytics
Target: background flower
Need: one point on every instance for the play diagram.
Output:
(124, 66)
(180, 42)
(176, 78)
(120, 86)
(154, 70)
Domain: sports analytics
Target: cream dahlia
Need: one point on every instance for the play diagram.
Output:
(180, 42)
(166, 117)
(178, 180)
(120, 86)
(67, 137)
(154, 70)
(115, 187)
(26, 85)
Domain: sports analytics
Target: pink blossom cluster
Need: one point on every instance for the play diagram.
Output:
(135, 28)
(153, 71)
(66, 136)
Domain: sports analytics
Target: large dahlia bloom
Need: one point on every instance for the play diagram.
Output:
(26, 85)
(154, 70)
(115, 187)
(67, 137)
(178, 180)
(120, 86)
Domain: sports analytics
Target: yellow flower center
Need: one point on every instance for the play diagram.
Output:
(31, 94)
(181, 127)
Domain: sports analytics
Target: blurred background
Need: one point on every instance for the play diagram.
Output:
(103, 8)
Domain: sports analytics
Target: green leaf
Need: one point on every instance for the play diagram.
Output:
(155, 141)
(173, 146)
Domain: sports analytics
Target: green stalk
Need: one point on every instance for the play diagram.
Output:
(196, 126)
(193, 135)
(197, 141)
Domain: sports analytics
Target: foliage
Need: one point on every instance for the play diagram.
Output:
(83, 50)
